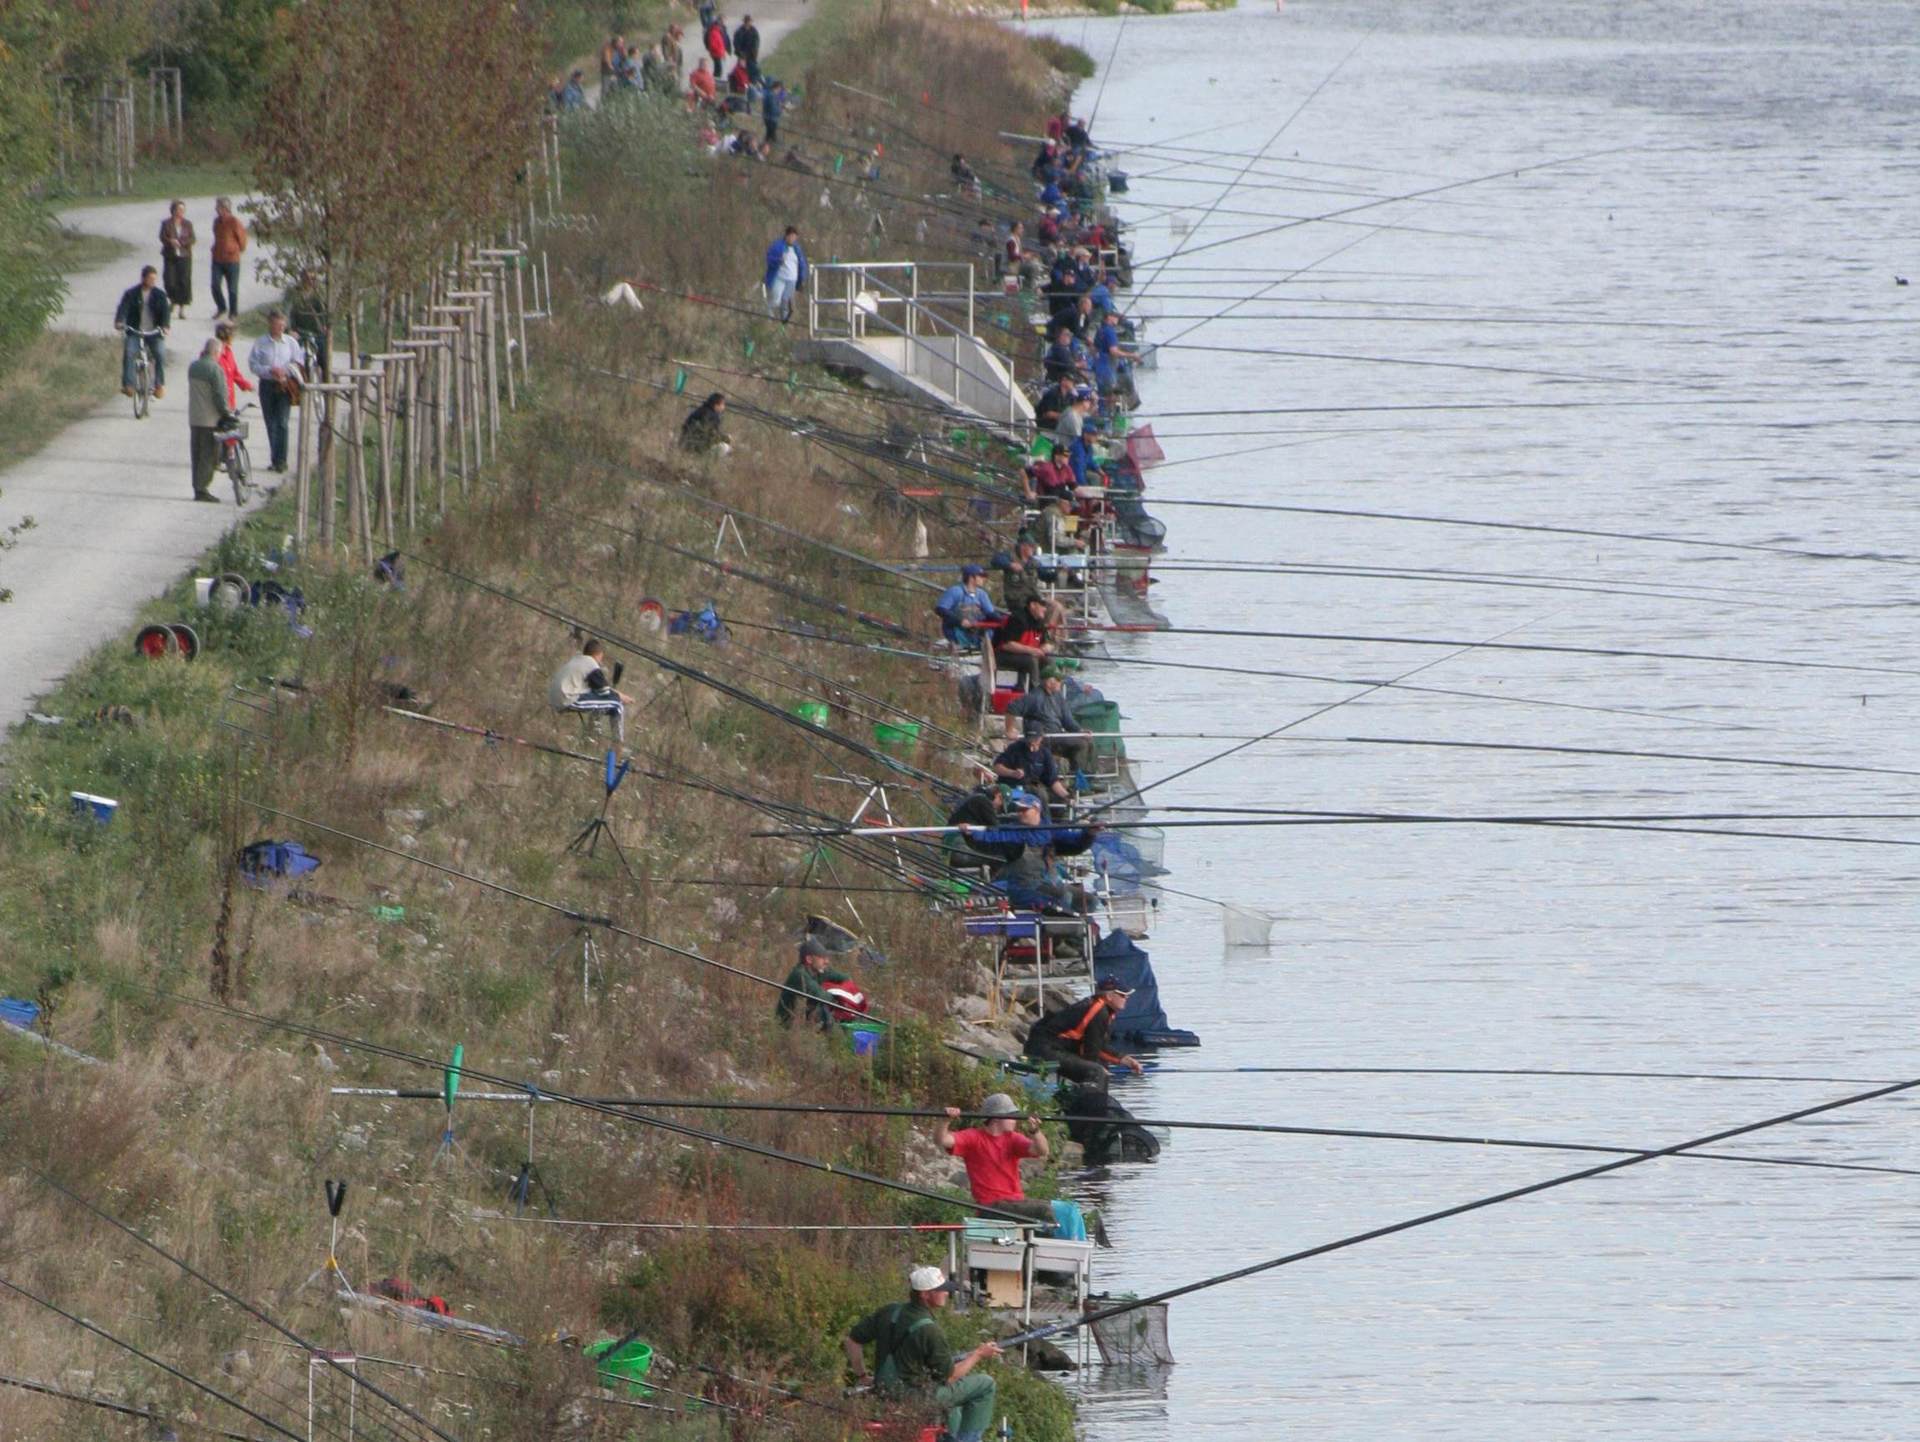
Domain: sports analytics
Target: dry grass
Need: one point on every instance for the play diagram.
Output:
(56, 380)
(214, 1136)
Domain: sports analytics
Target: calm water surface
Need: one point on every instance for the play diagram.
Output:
(1765, 203)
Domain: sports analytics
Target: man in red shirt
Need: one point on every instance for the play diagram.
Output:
(992, 1153)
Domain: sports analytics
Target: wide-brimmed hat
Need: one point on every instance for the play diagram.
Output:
(999, 1105)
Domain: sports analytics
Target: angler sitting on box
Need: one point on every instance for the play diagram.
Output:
(1020, 642)
(807, 983)
(1024, 849)
(966, 611)
(910, 1357)
(582, 684)
(1030, 763)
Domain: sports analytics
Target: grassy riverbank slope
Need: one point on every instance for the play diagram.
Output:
(213, 1135)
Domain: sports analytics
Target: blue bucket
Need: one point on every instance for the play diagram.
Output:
(96, 808)
(865, 1039)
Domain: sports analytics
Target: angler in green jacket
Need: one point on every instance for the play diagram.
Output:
(910, 1356)
(808, 982)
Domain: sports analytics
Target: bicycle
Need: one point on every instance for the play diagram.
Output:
(231, 433)
(143, 373)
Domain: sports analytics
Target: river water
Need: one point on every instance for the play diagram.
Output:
(1766, 202)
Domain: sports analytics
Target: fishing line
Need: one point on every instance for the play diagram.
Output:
(467, 1070)
(1407, 575)
(1460, 1209)
(1228, 188)
(150, 1359)
(1780, 663)
(1258, 1128)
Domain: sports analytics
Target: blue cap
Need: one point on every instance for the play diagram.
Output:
(972, 568)
(1023, 799)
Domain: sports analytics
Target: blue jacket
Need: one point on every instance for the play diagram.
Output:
(958, 604)
(772, 105)
(776, 253)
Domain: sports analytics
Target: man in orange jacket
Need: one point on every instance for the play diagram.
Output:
(1075, 1036)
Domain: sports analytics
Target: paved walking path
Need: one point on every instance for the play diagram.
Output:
(111, 497)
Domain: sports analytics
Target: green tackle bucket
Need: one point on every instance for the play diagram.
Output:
(1102, 719)
(628, 1365)
(896, 735)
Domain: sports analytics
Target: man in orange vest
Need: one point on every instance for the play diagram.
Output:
(1075, 1036)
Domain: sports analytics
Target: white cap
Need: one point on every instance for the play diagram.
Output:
(928, 1279)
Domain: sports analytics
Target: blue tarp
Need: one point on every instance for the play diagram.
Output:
(15, 1011)
(1144, 1022)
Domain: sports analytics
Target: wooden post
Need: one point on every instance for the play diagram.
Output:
(461, 384)
(329, 491)
(308, 400)
(514, 259)
(386, 379)
(481, 363)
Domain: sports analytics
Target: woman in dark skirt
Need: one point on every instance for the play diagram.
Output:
(176, 257)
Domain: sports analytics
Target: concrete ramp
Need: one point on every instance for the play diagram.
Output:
(895, 323)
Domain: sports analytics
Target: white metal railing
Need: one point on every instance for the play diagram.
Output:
(855, 300)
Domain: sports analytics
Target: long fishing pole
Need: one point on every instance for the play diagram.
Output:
(1279, 354)
(1303, 720)
(1225, 670)
(579, 918)
(1508, 173)
(467, 1070)
(311, 1348)
(148, 1357)
(1777, 662)
(1588, 531)
(1254, 1128)
(1159, 1071)
(1102, 1314)
(1613, 751)
(123, 1409)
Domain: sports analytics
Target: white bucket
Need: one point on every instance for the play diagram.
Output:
(1246, 927)
(202, 590)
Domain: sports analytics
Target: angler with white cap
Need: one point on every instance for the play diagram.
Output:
(910, 1356)
(992, 1153)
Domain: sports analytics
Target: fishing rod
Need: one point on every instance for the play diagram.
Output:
(1409, 576)
(1225, 670)
(1159, 1071)
(124, 1409)
(579, 918)
(1776, 662)
(467, 1070)
(1670, 588)
(194, 1382)
(311, 1348)
(1613, 751)
(1410, 195)
(1275, 354)
(1541, 528)
(1511, 1194)
(677, 668)
(1570, 823)
(1257, 1128)
(1302, 720)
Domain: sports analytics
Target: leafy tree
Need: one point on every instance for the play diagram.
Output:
(30, 286)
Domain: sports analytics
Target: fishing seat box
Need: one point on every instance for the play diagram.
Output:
(994, 1250)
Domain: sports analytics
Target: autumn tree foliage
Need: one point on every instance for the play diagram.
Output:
(394, 132)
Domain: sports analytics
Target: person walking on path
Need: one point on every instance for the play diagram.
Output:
(176, 257)
(229, 242)
(275, 362)
(786, 274)
(992, 1152)
(144, 316)
(746, 46)
(229, 367)
(910, 1357)
(206, 389)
